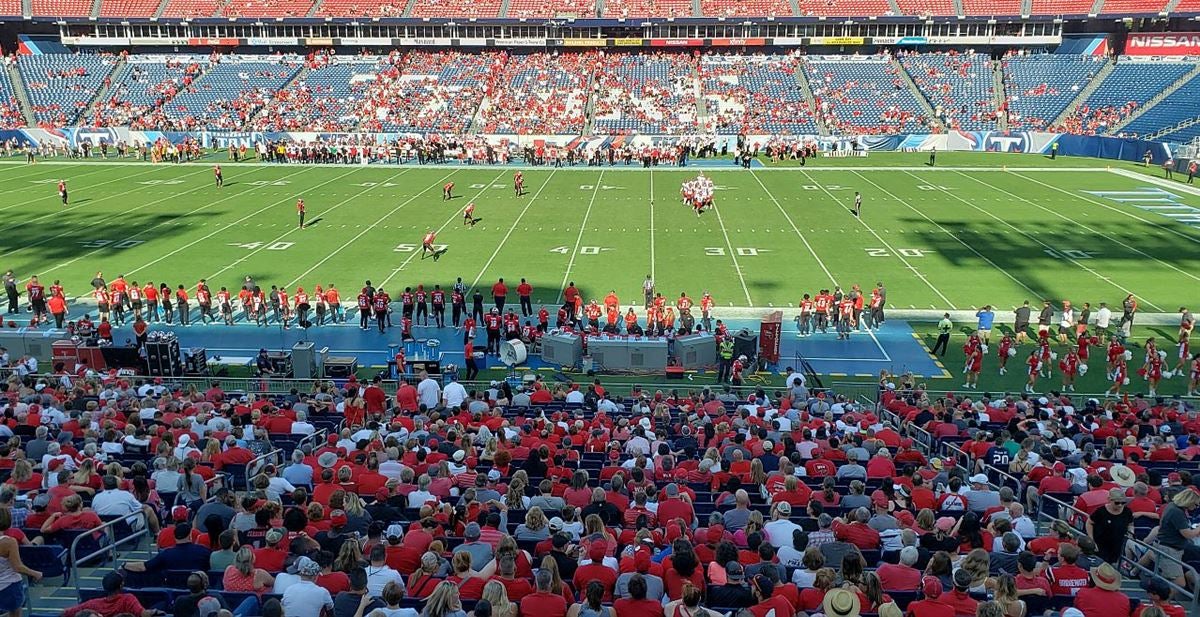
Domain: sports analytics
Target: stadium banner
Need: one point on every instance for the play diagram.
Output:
(627, 42)
(583, 42)
(214, 42)
(472, 42)
(1163, 44)
(422, 42)
(751, 42)
(841, 41)
(676, 42)
(367, 41)
(271, 41)
(89, 41)
(317, 42)
(526, 41)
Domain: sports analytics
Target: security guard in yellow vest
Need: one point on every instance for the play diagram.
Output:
(725, 357)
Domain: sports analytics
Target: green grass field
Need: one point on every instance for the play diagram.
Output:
(979, 229)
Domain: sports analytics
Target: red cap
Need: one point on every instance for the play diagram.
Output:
(338, 518)
(715, 534)
(597, 550)
(1059, 467)
(1174, 477)
(333, 438)
(180, 514)
(879, 499)
(382, 494)
(54, 464)
(932, 587)
(641, 560)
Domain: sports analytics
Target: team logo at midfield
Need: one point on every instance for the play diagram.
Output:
(1007, 142)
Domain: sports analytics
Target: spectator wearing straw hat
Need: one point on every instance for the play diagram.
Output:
(1104, 597)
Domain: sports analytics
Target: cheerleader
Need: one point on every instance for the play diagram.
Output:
(1034, 366)
(1183, 352)
(1194, 383)
(1115, 352)
(1006, 351)
(1151, 351)
(1083, 344)
(1119, 376)
(1045, 355)
(1153, 372)
(974, 363)
(1069, 366)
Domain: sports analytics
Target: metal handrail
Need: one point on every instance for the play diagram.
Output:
(315, 438)
(257, 463)
(113, 542)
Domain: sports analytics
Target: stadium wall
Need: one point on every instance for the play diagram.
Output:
(1028, 142)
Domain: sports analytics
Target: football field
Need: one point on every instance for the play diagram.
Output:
(978, 229)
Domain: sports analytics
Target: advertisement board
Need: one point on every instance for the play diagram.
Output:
(1163, 44)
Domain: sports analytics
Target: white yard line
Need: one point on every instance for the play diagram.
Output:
(1134, 175)
(583, 226)
(53, 195)
(956, 238)
(369, 227)
(228, 226)
(513, 228)
(1030, 236)
(292, 230)
(732, 253)
(73, 231)
(157, 225)
(652, 277)
(1077, 223)
(885, 243)
(793, 225)
(455, 215)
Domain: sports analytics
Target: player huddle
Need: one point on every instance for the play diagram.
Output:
(698, 193)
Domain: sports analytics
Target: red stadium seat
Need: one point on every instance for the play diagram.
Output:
(845, 8)
(745, 8)
(267, 8)
(10, 7)
(62, 8)
(1187, 6)
(1062, 7)
(647, 8)
(926, 7)
(129, 8)
(1133, 7)
(992, 7)
(359, 8)
(555, 8)
(457, 8)
(185, 9)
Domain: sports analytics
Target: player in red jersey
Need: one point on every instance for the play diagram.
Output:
(519, 183)
(36, 292)
(1194, 383)
(469, 215)
(427, 245)
(62, 191)
(300, 211)
(218, 177)
(448, 191)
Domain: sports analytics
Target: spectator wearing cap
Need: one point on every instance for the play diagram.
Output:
(636, 605)
(379, 574)
(273, 554)
(675, 506)
(780, 530)
(1104, 597)
(735, 593)
(1109, 524)
(116, 601)
(762, 588)
(842, 602)
(642, 566)
(930, 602)
(1158, 592)
(1029, 580)
(166, 536)
(333, 538)
(881, 519)
(856, 531)
(902, 576)
(596, 570)
(305, 598)
(481, 552)
(981, 497)
(960, 598)
(401, 557)
(185, 555)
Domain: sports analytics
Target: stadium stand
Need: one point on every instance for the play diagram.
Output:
(267, 8)
(862, 95)
(557, 8)
(845, 8)
(11, 115)
(10, 8)
(1038, 88)
(188, 9)
(959, 86)
(755, 94)
(926, 7)
(1133, 7)
(745, 8)
(361, 8)
(231, 91)
(987, 7)
(1167, 114)
(1062, 7)
(1187, 6)
(540, 94)
(129, 8)
(457, 8)
(1127, 88)
(61, 8)
(645, 93)
(142, 86)
(61, 86)
(616, 9)
(428, 91)
(326, 99)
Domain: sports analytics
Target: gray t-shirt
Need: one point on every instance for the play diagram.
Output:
(1174, 519)
(736, 519)
(480, 552)
(980, 501)
(654, 586)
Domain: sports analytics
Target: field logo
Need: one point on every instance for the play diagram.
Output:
(1155, 201)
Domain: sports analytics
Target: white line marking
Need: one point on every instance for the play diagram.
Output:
(233, 224)
(579, 239)
(732, 253)
(793, 224)
(513, 228)
(454, 216)
(652, 277)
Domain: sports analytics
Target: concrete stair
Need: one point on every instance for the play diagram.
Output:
(162, 6)
(1158, 98)
(504, 8)
(26, 8)
(795, 4)
(95, 13)
(1170, 8)
(926, 106)
(958, 8)
(1086, 92)
(696, 12)
(315, 7)
(118, 73)
(999, 94)
(409, 9)
(1026, 7)
(22, 95)
(806, 90)
(894, 6)
(1097, 5)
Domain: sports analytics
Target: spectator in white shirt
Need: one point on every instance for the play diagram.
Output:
(779, 530)
(302, 426)
(454, 394)
(379, 574)
(417, 498)
(429, 393)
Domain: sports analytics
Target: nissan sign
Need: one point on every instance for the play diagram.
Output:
(1163, 44)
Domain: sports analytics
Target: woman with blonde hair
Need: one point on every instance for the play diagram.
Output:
(243, 576)
(495, 593)
(23, 478)
(556, 583)
(977, 563)
(515, 498)
(350, 556)
(535, 527)
(1005, 594)
(758, 476)
(421, 582)
(443, 602)
(924, 522)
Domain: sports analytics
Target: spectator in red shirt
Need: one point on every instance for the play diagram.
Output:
(73, 517)
(1029, 580)
(233, 454)
(374, 397)
(931, 604)
(1060, 533)
(1067, 577)
(902, 576)
(1104, 599)
(596, 571)
(763, 589)
(116, 602)
(675, 506)
(856, 532)
(1159, 593)
(545, 603)
(959, 598)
